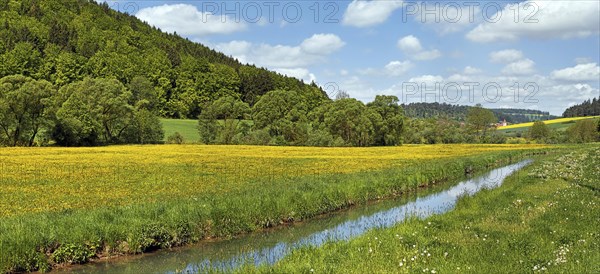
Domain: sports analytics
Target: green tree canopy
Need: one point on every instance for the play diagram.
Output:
(282, 111)
(352, 121)
(480, 118)
(389, 132)
(24, 105)
(583, 131)
(539, 131)
(93, 111)
(228, 109)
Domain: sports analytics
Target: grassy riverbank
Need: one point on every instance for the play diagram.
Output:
(543, 218)
(62, 206)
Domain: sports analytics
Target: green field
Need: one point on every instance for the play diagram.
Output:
(544, 218)
(186, 127)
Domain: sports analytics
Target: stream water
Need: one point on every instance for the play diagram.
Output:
(267, 247)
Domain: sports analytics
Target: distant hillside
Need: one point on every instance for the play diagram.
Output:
(560, 124)
(459, 112)
(515, 116)
(431, 110)
(587, 108)
(63, 41)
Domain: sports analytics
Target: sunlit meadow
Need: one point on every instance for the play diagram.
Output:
(51, 179)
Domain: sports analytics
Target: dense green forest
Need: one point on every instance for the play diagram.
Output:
(431, 110)
(459, 112)
(64, 41)
(587, 108)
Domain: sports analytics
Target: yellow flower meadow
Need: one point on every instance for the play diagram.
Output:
(49, 179)
(548, 122)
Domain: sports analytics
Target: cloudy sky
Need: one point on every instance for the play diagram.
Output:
(533, 54)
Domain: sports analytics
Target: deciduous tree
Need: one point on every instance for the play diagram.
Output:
(94, 111)
(539, 131)
(24, 108)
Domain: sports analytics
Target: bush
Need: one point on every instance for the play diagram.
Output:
(72, 253)
(583, 131)
(259, 137)
(145, 128)
(516, 140)
(175, 138)
(278, 141)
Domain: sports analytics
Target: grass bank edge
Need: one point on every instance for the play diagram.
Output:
(45, 240)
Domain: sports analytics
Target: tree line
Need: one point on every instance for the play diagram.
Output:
(460, 112)
(587, 108)
(281, 118)
(84, 113)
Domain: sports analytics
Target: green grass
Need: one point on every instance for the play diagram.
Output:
(187, 128)
(543, 218)
(39, 241)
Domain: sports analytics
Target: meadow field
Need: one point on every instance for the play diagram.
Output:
(544, 218)
(188, 128)
(559, 124)
(71, 205)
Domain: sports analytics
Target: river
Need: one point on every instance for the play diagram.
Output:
(269, 246)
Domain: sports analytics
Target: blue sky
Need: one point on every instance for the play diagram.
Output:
(476, 52)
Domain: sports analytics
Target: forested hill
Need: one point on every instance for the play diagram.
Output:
(64, 41)
(587, 108)
(430, 110)
(459, 112)
(515, 115)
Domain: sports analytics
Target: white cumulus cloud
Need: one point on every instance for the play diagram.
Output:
(506, 56)
(322, 44)
(187, 20)
(411, 46)
(580, 72)
(311, 51)
(285, 59)
(520, 67)
(361, 13)
(397, 68)
(541, 20)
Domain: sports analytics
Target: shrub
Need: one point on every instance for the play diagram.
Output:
(175, 138)
(72, 253)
